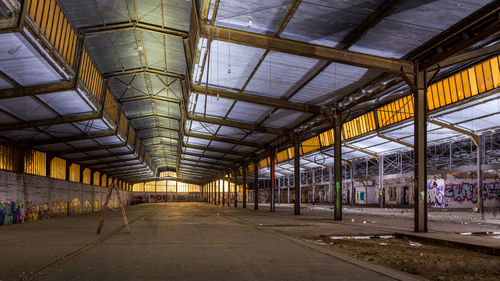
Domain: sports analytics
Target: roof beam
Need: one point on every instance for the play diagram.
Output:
(382, 12)
(37, 90)
(213, 149)
(257, 99)
(239, 125)
(478, 26)
(206, 156)
(95, 157)
(133, 25)
(76, 138)
(156, 98)
(155, 127)
(154, 115)
(199, 168)
(49, 122)
(112, 162)
(207, 162)
(363, 151)
(92, 148)
(474, 137)
(227, 140)
(139, 70)
(212, 166)
(469, 55)
(306, 49)
(120, 167)
(380, 135)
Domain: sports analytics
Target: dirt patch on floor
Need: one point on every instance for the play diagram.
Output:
(428, 261)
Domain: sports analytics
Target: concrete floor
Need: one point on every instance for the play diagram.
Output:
(175, 241)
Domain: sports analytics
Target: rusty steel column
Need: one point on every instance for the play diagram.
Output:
(420, 153)
(337, 166)
(235, 177)
(256, 185)
(296, 173)
(480, 176)
(229, 187)
(244, 179)
(219, 193)
(272, 206)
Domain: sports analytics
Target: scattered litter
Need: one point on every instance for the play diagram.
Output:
(383, 244)
(218, 214)
(260, 224)
(496, 237)
(364, 222)
(372, 221)
(352, 220)
(361, 237)
(421, 254)
(466, 233)
(415, 244)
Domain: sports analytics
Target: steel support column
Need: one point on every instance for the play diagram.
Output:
(381, 181)
(480, 187)
(337, 166)
(288, 191)
(420, 153)
(256, 185)
(229, 187)
(235, 177)
(330, 184)
(272, 206)
(244, 175)
(353, 190)
(296, 173)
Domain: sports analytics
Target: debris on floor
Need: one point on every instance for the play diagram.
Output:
(415, 244)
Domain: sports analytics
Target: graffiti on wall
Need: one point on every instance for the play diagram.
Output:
(75, 207)
(465, 191)
(87, 207)
(435, 193)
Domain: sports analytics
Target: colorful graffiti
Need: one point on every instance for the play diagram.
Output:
(75, 207)
(36, 212)
(97, 206)
(87, 207)
(58, 209)
(10, 213)
(435, 193)
(465, 191)
(15, 212)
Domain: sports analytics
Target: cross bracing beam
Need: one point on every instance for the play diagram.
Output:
(207, 162)
(76, 138)
(305, 49)
(222, 139)
(154, 115)
(37, 90)
(363, 151)
(474, 137)
(92, 148)
(133, 25)
(219, 150)
(154, 98)
(139, 70)
(239, 125)
(94, 157)
(257, 99)
(395, 140)
(49, 122)
(207, 156)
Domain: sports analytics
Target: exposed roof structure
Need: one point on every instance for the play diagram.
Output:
(132, 88)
